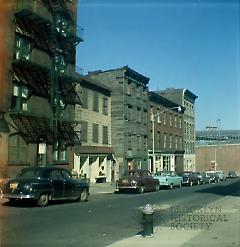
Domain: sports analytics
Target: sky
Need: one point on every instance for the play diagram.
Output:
(193, 44)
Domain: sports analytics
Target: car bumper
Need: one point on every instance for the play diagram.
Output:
(17, 196)
(126, 187)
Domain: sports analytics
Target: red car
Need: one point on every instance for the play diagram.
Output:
(137, 180)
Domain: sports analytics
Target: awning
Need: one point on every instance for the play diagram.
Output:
(36, 129)
(93, 150)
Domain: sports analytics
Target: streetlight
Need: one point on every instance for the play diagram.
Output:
(179, 108)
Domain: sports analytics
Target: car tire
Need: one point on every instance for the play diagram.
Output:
(83, 197)
(43, 200)
(141, 190)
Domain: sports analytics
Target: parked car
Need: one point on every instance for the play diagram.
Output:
(190, 178)
(168, 179)
(206, 178)
(137, 180)
(221, 175)
(200, 176)
(232, 174)
(43, 184)
(214, 177)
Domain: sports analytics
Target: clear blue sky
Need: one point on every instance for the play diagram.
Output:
(176, 43)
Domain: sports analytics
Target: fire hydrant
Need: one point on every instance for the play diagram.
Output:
(147, 220)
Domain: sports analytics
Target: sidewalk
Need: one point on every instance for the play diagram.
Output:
(102, 188)
(223, 230)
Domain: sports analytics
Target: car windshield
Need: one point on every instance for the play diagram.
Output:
(29, 173)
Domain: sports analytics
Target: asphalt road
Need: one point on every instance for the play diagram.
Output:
(103, 220)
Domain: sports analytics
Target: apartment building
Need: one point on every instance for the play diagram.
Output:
(94, 157)
(37, 79)
(165, 132)
(187, 99)
(129, 115)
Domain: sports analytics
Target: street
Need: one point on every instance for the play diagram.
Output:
(104, 219)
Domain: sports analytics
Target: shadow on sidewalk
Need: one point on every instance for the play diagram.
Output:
(232, 189)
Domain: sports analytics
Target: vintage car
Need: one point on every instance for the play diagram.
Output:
(232, 174)
(221, 175)
(190, 178)
(214, 177)
(43, 184)
(137, 180)
(169, 179)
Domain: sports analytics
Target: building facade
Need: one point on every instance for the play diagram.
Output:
(129, 115)
(37, 96)
(94, 157)
(165, 134)
(185, 98)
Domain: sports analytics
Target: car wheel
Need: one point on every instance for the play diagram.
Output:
(83, 196)
(191, 183)
(141, 189)
(157, 188)
(43, 200)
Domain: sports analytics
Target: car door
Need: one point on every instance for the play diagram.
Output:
(57, 183)
(69, 185)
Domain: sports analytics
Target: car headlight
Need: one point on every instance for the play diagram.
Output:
(134, 183)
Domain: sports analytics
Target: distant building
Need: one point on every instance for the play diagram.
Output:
(129, 115)
(94, 157)
(168, 149)
(37, 79)
(187, 99)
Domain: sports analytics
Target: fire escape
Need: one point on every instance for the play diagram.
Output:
(56, 37)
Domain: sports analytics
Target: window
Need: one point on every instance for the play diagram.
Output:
(158, 116)
(60, 150)
(165, 141)
(138, 115)
(144, 116)
(138, 142)
(22, 48)
(95, 102)
(159, 138)
(105, 134)
(170, 141)
(84, 131)
(164, 118)
(18, 149)
(95, 133)
(176, 142)
(175, 121)
(20, 98)
(105, 105)
(129, 141)
(170, 119)
(85, 98)
(129, 88)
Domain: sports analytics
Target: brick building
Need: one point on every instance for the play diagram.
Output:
(165, 134)
(187, 99)
(37, 79)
